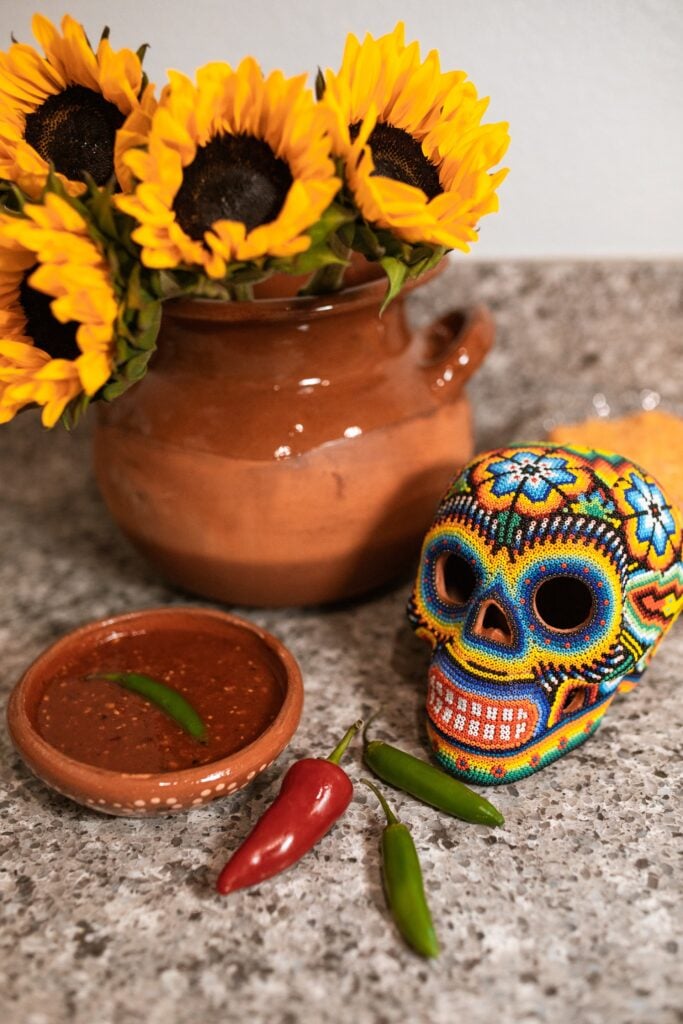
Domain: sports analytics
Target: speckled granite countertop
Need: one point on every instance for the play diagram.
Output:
(568, 914)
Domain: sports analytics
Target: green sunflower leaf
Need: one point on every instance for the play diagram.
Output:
(428, 258)
(102, 213)
(149, 316)
(134, 295)
(113, 259)
(366, 241)
(396, 272)
(314, 258)
(75, 411)
(419, 253)
(136, 367)
(122, 350)
(331, 221)
(114, 388)
(12, 199)
(247, 274)
(148, 328)
(346, 234)
(53, 184)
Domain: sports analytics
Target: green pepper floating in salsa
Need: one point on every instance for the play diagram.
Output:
(169, 700)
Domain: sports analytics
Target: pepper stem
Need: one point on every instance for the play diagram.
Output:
(391, 817)
(339, 751)
(367, 725)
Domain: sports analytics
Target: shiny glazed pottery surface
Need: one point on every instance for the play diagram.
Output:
(290, 450)
(121, 793)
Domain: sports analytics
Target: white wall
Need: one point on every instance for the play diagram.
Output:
(593, 90)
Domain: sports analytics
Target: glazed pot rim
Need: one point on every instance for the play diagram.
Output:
(22, 728)
(297, 307)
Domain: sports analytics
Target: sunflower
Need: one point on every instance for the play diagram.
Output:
(235, 168)
(416, 155)
(64, 108)
(57, 310)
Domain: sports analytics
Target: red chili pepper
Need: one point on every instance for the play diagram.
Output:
(315, 792)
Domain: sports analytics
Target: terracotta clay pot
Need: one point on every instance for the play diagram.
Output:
(290, 450)
(144, 794)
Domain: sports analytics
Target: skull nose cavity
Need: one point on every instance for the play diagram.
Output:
(493, 623)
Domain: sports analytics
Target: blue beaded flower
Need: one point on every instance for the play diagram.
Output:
(650, 526)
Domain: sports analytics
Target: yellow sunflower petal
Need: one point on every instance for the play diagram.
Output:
(48, 37)
(54, 408)
(225, 240)
(22, 355)
(27, 80)
(133, 133)
(56, 370)
(94, 369)
(57, 213)
(12, 326)
(71, 52)
(69, 279)
(84, 307)
(388, 109)
(52, 385)
(28, 77)
(8, 411)
(175, 135)
(56, 246)
(52, 238)
(244, 104)
(120, 76)
(95, 337)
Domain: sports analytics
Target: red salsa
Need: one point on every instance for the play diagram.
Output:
(230, 679)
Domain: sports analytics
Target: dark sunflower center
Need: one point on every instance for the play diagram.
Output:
(76, 130)
(233, 177)
(398, 155)
(55, 338)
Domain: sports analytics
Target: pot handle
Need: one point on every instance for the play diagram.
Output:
(453, 347)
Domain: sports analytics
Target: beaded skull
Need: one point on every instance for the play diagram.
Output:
(546, 581)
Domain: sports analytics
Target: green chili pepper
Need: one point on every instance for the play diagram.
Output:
(427, 783)
(169, 700)
(403, 883)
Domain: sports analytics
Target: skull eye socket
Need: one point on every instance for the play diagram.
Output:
(455, 579)
(564, 603)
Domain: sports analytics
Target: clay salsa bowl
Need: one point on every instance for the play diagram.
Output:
(141, 793)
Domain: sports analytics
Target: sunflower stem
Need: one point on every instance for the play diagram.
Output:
(242, 292)
(326, 279)
(166, 286)
(203, 289)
